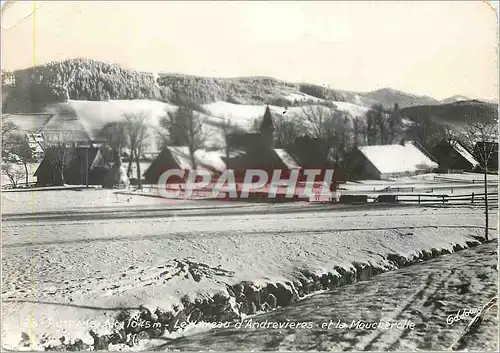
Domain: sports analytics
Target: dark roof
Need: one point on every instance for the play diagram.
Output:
(246, 140)
(30, 123)
(267, 121)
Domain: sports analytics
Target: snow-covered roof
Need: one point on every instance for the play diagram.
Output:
(210, 159)
(30, 123)
(84, 120)
(457, 146)
(181, 156)
(390, 159)
(286, 158)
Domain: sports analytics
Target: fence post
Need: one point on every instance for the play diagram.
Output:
(472, 199)
(443, 199)
(419, 199)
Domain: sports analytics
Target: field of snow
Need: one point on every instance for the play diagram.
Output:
(244, 115)
(301, 97)
(428, 294)
(425, 183)
(70, 257)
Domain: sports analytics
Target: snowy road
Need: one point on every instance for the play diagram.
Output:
(62, 248)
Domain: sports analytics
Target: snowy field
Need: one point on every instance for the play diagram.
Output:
(441, 184)
(429, 295)
(73, 256)
(243, 115)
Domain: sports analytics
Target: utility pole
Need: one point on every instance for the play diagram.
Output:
(87, 166)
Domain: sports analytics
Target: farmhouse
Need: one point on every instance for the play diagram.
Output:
(95, 120)
(256, 151)
(78, 171)
(453, 156)
(178, 157)
(243, 151)
(389, 161)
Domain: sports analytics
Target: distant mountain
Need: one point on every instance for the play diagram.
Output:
(456, 98)
(31, 90)
(388, 97)
(455, 114)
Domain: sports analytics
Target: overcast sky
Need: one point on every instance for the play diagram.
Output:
(433, 48)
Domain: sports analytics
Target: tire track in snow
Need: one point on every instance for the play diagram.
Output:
(368, 341)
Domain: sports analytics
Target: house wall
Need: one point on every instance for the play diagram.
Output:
(360, 167)
(45, 174)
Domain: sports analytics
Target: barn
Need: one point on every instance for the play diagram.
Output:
(78, 171)
(178, 157)
(392, 161)
(453, 156)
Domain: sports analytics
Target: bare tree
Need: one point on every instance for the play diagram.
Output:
(286, 131)
(11, 167)
(185, 128)
(227, 128)
(136, 129)
(12, 144)
(343, 134)
(371, 128)
(482, 133)
(394, 124)
(58, 151)
(359, 131)
(317, 118)
(330, 126)
(427, 132)
(116, 136)
(59, 154)
(9, 129)
(377, 129)
(22, 150)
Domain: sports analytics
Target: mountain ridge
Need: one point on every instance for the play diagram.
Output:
(97, 80)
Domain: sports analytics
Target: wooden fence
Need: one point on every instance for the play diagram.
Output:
(473, 198)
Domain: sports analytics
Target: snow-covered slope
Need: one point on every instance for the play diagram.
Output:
(454, 99)
(244, 115)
